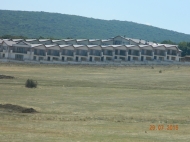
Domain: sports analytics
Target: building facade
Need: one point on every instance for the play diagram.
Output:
(90, 50)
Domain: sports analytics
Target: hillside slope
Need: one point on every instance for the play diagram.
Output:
(35, 24)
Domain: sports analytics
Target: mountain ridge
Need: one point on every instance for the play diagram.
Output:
(33, 24)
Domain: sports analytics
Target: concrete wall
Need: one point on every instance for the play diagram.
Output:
(99, 63)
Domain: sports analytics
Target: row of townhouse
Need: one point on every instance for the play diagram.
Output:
(120, 51)
(118, 40)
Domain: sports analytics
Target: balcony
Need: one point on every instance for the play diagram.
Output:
(53, 53)
(120, 54)
(173, 54)
(40, 54)
(19, 51)
(108, 53)
(68, 53)
(160, 54)
(95, 53)
(82, 54)
(134, 54)
(147, 54)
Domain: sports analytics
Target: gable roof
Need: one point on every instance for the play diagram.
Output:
(105, 40)
(36, 45)
(26, 43)
(92, 40)
(57, 40)
(17, 40)
(28, 40)
(69, 39)
(42, 40)
(90, 46)
(49, 46)
(78, 46)
(9, 43)
(78, 40)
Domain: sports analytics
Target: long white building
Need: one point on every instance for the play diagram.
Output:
(91, 50)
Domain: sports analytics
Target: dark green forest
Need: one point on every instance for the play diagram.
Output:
(24, 24)
(55, 25)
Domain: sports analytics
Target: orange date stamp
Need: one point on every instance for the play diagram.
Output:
(163, 127)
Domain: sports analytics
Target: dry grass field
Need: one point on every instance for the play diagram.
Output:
(80, 103)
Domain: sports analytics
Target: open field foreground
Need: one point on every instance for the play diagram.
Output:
(96, 103)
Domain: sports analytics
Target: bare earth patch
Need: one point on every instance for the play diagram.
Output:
(6, 77)
(17, 108)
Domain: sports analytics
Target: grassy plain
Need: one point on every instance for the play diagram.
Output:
(96, 103)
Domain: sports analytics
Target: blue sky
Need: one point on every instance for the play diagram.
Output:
(168, 14)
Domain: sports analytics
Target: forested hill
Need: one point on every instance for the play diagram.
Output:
(36, 24)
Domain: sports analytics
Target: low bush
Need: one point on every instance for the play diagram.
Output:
(31, 83)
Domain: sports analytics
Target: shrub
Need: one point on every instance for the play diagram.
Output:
(160, 71)
(31, 83)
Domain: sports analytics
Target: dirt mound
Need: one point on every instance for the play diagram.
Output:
(16, 108)
(6, 77)
(28, 110)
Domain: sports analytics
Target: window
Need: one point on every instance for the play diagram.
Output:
(49, 52)
(174, 52)
(162, 52)
(122, 52)
(77, 52)
(19, 57)
(70, 52)
(63, 52)
(136, 52)
(117, 42)
(19, 50)
(55, 59)
(42, 53)
(149, 52)
(41, 58)
(91, 52)
(116, 52)
(109, 52)
(55, 52)
(143, 52)
(34, 58)
(129, 52)
(97, 52)
(83, 52)
(35, 51)
(1, 48)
